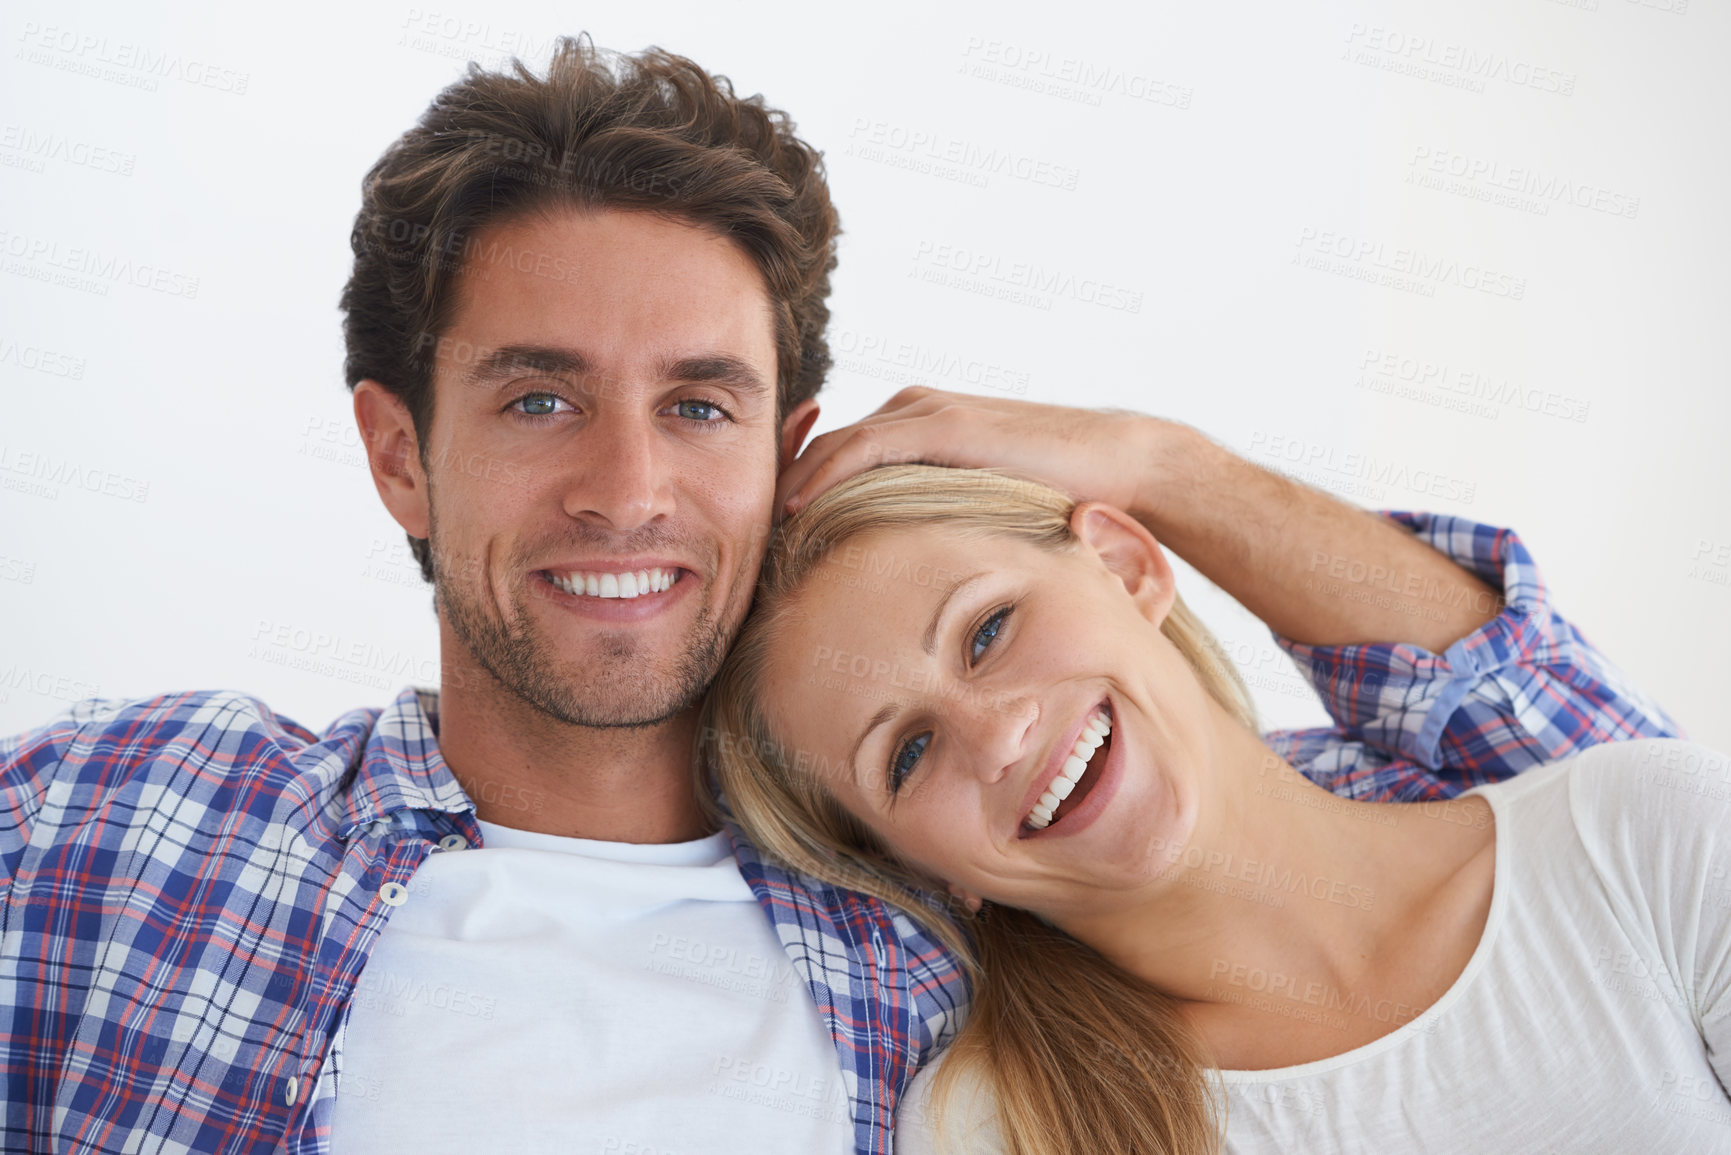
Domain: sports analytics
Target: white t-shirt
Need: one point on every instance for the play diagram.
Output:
(1594, 1015)
(550, 994)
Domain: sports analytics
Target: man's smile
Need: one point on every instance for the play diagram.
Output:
(626, 590)
(625, 584)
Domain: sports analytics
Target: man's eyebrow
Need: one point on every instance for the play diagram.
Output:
(929, 640)
(717, 368)
(496, 363)
(884, 714)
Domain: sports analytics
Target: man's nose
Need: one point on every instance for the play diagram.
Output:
(625, 479)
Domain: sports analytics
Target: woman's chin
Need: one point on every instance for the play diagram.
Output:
(1142, 840)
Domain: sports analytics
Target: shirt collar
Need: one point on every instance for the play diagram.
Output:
(401, 767)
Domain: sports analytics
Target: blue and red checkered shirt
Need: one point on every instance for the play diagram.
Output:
(190, 885)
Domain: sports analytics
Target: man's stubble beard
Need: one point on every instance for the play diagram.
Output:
(613, 689)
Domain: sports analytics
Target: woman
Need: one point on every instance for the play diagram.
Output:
(958, 681)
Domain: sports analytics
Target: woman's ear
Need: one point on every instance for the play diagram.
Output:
(1130, 553)
(969, 899)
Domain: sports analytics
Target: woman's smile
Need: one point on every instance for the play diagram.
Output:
(1061, 806)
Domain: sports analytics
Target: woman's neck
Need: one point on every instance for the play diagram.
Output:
(1288, 901)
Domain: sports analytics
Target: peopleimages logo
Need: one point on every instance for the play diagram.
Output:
(1488, 179)
(923, 148)
(1039, 283)
(1372, 258)
(48, 256)
(62, 687)
(912, 363)
(38, 147)
(41, 360)
(1038, 69)
(43, 466)
(136, 65)
(1455, 64)
(1313, 462)
(1461, 387)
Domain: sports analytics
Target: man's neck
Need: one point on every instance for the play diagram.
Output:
(525, 769)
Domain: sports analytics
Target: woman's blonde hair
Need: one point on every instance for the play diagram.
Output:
(1082, 1056)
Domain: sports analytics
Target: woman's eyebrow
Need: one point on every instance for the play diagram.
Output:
(884, 714)
(929, 640)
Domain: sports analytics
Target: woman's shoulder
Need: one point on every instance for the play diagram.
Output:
(1657, 778)
(1652, 774)
(965, 1121)
(1651, 815)
(1643, 816)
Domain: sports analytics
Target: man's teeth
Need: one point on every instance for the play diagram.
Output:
(1094, 732)
(616, 585)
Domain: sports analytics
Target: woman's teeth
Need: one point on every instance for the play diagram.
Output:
(1094, 733)
(616, 585)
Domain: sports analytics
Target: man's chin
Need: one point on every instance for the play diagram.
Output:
(604, 696)
(625, 713)
(609, 679)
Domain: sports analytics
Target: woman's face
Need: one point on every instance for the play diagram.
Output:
(941, 683)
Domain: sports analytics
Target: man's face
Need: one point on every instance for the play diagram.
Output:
(602, 459)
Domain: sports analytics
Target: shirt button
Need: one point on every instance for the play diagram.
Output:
(394, 893)
(293, 1091)
(453, 842)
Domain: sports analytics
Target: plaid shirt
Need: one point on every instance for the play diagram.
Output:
(190, 885)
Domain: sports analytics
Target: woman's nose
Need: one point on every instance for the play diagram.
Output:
(996, 731)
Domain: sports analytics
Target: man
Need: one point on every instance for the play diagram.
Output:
(585, 332)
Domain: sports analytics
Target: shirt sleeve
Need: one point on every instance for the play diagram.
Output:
(966, 1124)
(1524, 689)
(28, 764)
(1654, 818)
(1688, 862)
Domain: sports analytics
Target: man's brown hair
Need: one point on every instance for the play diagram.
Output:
(648, 132)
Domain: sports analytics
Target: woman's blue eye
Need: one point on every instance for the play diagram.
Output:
(988, 632)
(905, 757)
(700, 410)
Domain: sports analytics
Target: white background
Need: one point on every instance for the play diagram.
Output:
(183, 502)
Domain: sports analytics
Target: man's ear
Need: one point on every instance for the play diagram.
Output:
(1130, 552)
(795, 428)
(393, 455)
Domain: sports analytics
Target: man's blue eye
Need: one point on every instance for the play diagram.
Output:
(700, 410)
(988, 632)
(903, 763)
(538, 404)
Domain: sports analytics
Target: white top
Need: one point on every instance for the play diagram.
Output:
(1594, 1016)
(550, 994)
